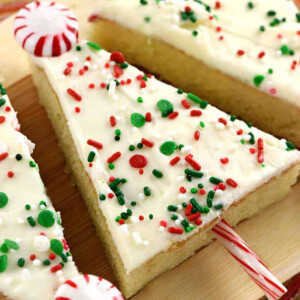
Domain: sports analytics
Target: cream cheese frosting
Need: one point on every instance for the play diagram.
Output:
(255, 41)
(34, 257)
(163, 162)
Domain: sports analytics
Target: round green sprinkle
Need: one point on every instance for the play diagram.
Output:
(46, 262)
(180, 146)
(137, 120)
(31, 221)
(258, 79)
(93, 46)
(133, 203)
(202, 124)
(242, 141)
(270, 71)
(157, 173)
(147, 191)
(262, 28)
(167, 148)
(151, 216)
(140, 100)
(78, 48)
(102, 197)
(194, 32)
(206, 210)
(27, 207)
(185, 223)
(111, 166)
(3, 199)
(203, 104)
(290, 145)
(21, 262)
(32, 164)
(3, 263)
(11, 244)
(263, 165)
(124, 215)
(271, 13)
(56, 246)
(46, 218)
(174, 217)
(200, 185)
(129, 212)
(118, 218)
(131, 148)
(4, 248)
(19, 157)
(165, 106)
(140, 145)
(179, 91)
(118, 132)
(232, 118)
(193, 190)
(144, 2)
(250, 5)
(91, 156)
(184, 204)
(147, 19)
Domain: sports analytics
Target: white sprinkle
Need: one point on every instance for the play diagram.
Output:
(141, 196)
(41, 243)
(26, 273)
(186, 149)
(156, 135)
(247, 137)
(177, 222)
(179, 207)
(36, 262)
(219, 192)
(33, 207)
(61, 279)
(134, 219)
(180, 178)
(20, 221)
(182, 196)
(124, 229)
(146, 243)
(59, 273)
(112, 87)
(137, 238)
(220, 126)
(42, 206)
(161, 228)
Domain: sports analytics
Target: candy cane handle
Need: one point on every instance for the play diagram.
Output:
(249, 261)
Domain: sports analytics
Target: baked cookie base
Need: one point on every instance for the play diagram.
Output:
(131, 283)
(267, 112)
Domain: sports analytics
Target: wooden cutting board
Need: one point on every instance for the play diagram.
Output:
(211, 273)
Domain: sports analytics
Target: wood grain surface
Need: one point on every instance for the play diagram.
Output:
(211, 273)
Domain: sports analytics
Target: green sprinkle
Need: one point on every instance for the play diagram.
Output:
(129, 212)
(140, 145)
(172, 208)
(194, 98)
(3, 263)
(195, 203)
(215, 180)
(2, 102)
(258, 79)
(3, 199)
(271, 13)
(252, 138)
(137, 120)
(11, 244)
(157, 173)
(193, 190)
(32, 164)
(167, 148)
(21, 262)
(209, 202)
(140, 100)
(131, 148)
(218, 206)
(124, 65)
(290, 145)
(165, 106)
(111, 166)
(147, 19)
(298, 17)
(102, 197)
(180, 146)
(94, 46)
(78, 48)
(262, 28)
(263, 165)
(180, 91)
(174, 217)
(249, 124)
(46, 262)
(31, 221)
(270, 71)
(194, 32)
(206, 210)
(124, 215)
(4, 248)
(202, 124)
(144, 2)
(118, 132)
(200, 185)
(46, 218)
(232, 118)
(150, 216)
(203, 104)
(121, 200)
(193, 173)
(185, 223)
(91, 156)
(211, 194)
(147, 191)
(118, 218)
(56, 246)
(133, 203)
(242, 141)
(250, 5)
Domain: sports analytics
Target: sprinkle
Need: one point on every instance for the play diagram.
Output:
(215, 180)
(56, 246)
(193, 173)
(185, 104)
(94, 144)
(175, 230)
(46, 218)
(165, 106)
(114, 157)
(157, 173)
(173, 115)
(31, 221)
(168, 148)
(197, 135)
(193, 163)
(147, 143)
(117, 57)
(91, 156)
(258, 79)
(74, 94)
(137, 120)
(231, 182)
(195, 113)
(3, 263)
(3, 199)
(94, 46)
(260, 152)
(138, 161)
(174, 161)
(147, 191)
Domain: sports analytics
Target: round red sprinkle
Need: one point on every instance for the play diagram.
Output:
(81, 72)
(252, 150)
(128, 81)
(90, 165)
(118, 71)
(239, 132)
(32, 257)
(138, 161)
(2, 119)
(141, 171)
(240, 52)
(7, 109)
(88, 58)
(121, 222)
(143, 84)
(10, 174)
(202, 192)
(261, 54)
(111, 178)
(52, 256)
(198, 222)
(102, 85)
(117, 57)
(163, 223)
(85, 68)
(70, 64)
(110, 195)
(224, 160)
(91, 85)
(141, 218)
(77, 109)
(107, 65)
(182, 190)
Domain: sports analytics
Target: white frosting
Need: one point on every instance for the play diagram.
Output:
(24, 186)
(142, 237)
(236, 27)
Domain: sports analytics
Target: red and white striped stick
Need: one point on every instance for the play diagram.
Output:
(249, 261)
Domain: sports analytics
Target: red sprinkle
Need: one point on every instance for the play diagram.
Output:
(185, 104)
(91, 85)
(202, 192)
(10, 174)
(77, 109)
(148, 117)
(2, 119)
(102, 85)
(194, 216)
(163, 223)
(188, 209)
(3, 156)
(240, 52)
(223, 121)
(239, 132)
(260, 153)
(231, 182)
(222, 186)
(198, 222)
(118, 71)
(141, 218)
(110, 195)
(121, 222)
(67, 71)
(217, 5)
(175, 230)
(113, 121)
(195, 113)
(94, 144)
(138, 161)
(224, 160)
(193, 163)
(173, 115)
(56, 268)
(174, 161)
(141, 171)
(261, 54)
(147, 143)
(182, 190)
(197, 135)
(32, 257)
(143, 84)
(114, 157)
(117, 57)
(52, 256)
(75, 95)
(252, 150)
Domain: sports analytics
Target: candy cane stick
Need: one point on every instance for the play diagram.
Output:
(249, 261)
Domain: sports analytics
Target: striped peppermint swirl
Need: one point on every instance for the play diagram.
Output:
(249, 261)
(46, 28)
(88, 287)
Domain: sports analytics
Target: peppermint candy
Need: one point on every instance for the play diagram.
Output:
(88, 287)
(46, 28)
